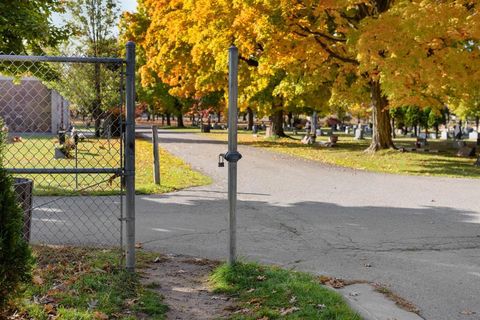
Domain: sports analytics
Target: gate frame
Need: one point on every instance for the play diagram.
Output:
(128, 172)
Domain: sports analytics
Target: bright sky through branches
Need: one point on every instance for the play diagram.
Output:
(125, 5)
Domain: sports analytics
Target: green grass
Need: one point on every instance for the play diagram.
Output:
(350, 153)
(274, 293)
(175, 173)
(38, 152)
(75, 283)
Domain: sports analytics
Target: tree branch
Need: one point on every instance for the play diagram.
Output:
(320, 34)
(251, 62)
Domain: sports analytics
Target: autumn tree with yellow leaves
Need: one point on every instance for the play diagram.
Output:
(374, 54)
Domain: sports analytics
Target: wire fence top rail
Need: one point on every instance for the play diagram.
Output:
(64, 170)
(10, 57)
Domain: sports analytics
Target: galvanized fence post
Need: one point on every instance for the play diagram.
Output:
(130, 157)
(156, 156)
(232, 155)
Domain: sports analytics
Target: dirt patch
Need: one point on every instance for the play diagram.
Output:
(183, 281)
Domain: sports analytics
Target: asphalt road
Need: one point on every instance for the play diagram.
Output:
(420, 236)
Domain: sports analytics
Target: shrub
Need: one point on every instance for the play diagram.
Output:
(15, 256)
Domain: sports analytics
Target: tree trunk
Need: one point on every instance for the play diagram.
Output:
(250, 119)
(169, 123)
(290, 119)
(477, 122)
(393, 128)
(219, 116)
(382, 131)
(277, 123)
(180, 121)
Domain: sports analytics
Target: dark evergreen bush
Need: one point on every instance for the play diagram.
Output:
(15, 255)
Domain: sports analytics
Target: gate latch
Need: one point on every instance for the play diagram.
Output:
(229, 156)
(221, 164)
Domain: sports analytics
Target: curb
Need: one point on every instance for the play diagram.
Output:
(372, 305)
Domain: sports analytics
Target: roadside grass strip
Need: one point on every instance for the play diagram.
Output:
(266, 293)
(84, 284)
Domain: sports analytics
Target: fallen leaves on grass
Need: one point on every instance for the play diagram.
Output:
(49, 308)
(261, 278)
(287, 311)
(37, 280)
(100, 315)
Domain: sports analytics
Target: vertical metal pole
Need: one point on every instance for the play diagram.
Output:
(130, 157)
(156, 156)
(232, 149)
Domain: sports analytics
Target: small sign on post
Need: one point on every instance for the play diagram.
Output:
(156, 156)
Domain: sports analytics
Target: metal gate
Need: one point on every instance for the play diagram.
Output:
(68, 121)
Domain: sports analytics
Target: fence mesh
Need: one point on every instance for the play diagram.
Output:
(65, 123)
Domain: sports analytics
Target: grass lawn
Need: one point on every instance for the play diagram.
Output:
(38, 152)
(274, 293)
(175, 174)
(350, 153)
(83, 284)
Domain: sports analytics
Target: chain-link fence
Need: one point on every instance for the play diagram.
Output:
(66, 125)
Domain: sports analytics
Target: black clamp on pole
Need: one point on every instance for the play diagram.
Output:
(232, 156)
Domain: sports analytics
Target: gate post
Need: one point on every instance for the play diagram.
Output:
(130, 157)
(232, 155)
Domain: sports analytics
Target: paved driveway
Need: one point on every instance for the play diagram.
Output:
(418, 235)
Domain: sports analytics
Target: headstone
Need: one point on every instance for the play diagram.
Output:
(422, 135)
(359, 134)
(318, 132)
(307, 139)
(444, 135)
(347, 130)
(255, 129)
(421, 142)
(333, 139)
(433, 136)
(59, 154)
(473, 135)
(458, 132)
(206, 128)
(268, 131)
(466, 152)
